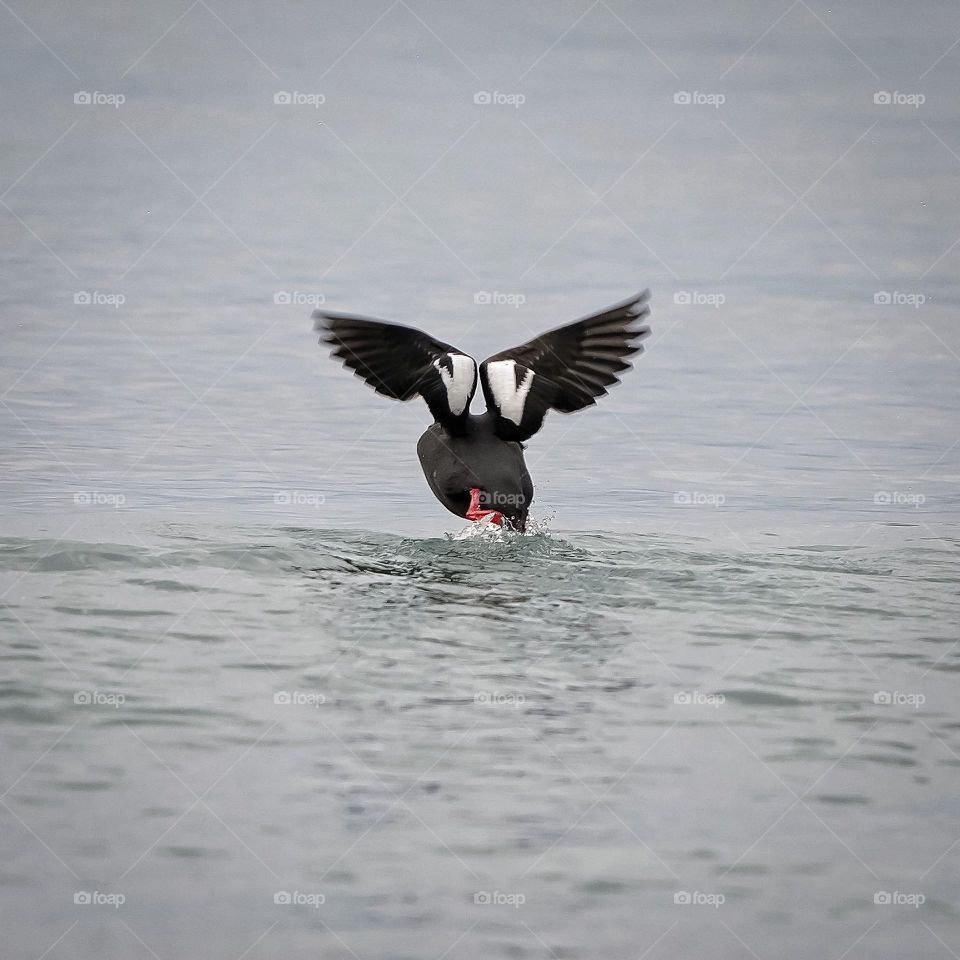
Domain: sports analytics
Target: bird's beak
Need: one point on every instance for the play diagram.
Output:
(477, 513)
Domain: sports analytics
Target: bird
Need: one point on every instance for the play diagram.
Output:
(474, 463)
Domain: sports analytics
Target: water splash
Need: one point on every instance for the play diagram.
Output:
(491, 532)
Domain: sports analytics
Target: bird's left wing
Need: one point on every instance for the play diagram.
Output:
(565, 369)
(401, 362)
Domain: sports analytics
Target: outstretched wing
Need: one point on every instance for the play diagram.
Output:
(401, 362)
(566, 369)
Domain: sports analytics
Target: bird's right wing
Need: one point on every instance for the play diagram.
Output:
(565, 369)
(401, 362)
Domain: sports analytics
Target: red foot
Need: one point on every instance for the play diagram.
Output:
(475, 512)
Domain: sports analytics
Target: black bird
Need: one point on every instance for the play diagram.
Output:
(474, 464)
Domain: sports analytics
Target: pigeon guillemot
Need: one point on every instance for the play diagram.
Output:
(474, 464)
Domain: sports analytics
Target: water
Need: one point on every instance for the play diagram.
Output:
(247, 659)
(594, 724)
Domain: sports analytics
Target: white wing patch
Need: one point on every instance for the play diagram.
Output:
(460, 384)
(510, 398)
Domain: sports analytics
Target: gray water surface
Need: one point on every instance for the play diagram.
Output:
(592, 725)
(262, 697)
